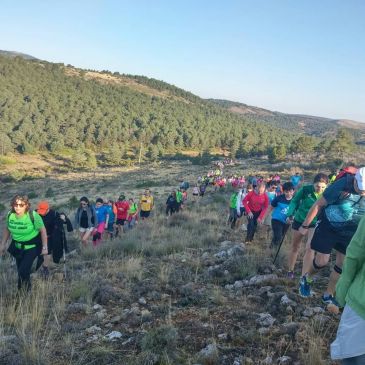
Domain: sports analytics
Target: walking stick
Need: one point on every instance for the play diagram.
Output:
(281, 242)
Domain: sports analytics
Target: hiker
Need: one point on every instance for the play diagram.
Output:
(233, 209)
(122, 206)
(59, 236)
(195, 193)
(256, 204)
(271, 194)
(299, 206)
(342, 205)
(146, 204)
(296, 180)
(171, 204)
(279, 208)
(349, 345)
(85, 220)
(56, 240)
(132, 217)
(29, 238)
(202, 189)
(179, 200)
(103, 221)
(112, 212)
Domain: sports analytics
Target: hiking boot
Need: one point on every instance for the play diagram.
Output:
(290, 275)
(305, 287)
(331, 303)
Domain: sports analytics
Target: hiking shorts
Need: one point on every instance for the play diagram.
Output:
(83, 230)
(120, 222)
(144, 213)
(296, 225)
(325, 239)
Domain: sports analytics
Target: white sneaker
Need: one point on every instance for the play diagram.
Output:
(244, 227)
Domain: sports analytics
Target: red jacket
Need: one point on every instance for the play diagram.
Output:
(255, 203)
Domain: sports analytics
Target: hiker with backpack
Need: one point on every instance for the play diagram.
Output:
(171, 204)
(29, 238)
(49, 217)
(85, 220)
(299, 206)
(296, 180)
(341, 207)
(256, 203)
(349, 345)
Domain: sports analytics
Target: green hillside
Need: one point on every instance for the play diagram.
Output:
(51, 107)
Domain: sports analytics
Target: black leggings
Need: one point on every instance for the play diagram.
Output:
(279, 230)
(24, 265)
(170, 209)
(252, 225)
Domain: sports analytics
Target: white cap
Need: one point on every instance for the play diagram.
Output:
(360, 178)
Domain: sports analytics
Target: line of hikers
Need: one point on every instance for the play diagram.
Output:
(328, 215)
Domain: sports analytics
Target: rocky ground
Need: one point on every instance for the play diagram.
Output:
(183, 290)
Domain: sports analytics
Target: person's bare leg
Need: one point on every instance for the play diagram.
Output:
(322, 260)
(331, 288)
(296, 242)
(308, 254)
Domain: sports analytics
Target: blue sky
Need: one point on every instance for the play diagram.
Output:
(292, 56)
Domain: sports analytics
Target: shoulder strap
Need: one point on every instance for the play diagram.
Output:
(31, 216)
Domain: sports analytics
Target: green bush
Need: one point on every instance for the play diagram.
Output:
(32, 195)
(160, 340)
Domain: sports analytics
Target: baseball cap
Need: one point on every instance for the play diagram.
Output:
(42, 207)
(121, 197)
(360, 178)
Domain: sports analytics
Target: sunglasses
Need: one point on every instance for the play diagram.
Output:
(83, 204)
(21, 205)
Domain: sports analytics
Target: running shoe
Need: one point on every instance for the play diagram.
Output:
(329, 299)
(305, 287)
(290, 275)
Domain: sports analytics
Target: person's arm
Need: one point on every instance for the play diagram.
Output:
(44, 239)
(245, 204)
(312, 213)
(264, 210)
(294, 203)
(6, 235)
(354, 261)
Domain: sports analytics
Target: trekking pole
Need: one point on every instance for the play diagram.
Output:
(281, 242)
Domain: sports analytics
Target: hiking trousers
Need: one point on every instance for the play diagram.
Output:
(24, 266)
(252, 226)
(279, 230)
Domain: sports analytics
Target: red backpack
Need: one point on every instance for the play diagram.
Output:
(350, 170)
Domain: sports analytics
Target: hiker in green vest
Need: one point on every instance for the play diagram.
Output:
(233, 209)
(29, 238)
(179, 198)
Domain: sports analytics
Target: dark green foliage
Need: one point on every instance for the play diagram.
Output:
(32, 195)
(49, 193)
(43, 108)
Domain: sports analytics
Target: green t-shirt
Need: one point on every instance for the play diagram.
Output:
(22, 228)
(133, 209)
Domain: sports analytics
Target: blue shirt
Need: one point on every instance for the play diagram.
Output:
(281, 205)
(101, 213)
(109, 209)
(295, 179)
(271, 195)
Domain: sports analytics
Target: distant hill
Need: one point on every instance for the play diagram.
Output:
(102, 116)
(312, 125)
(59, 109)
(17, 54)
